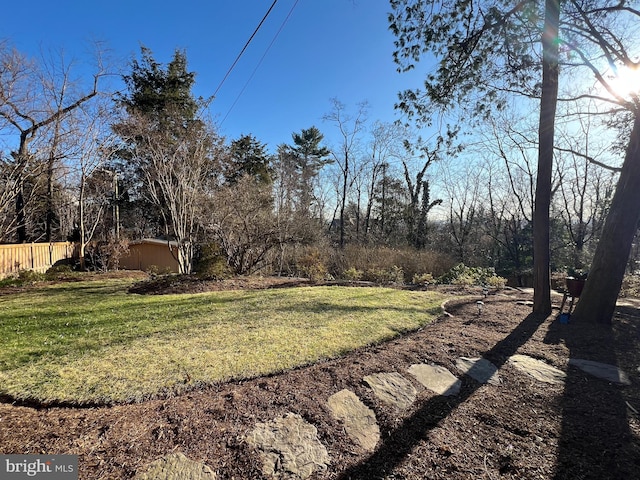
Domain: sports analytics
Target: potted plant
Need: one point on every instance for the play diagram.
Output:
(575, 280)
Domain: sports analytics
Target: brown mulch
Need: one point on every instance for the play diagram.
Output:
(523, 429)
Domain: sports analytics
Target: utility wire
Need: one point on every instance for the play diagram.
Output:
(260, 61)
(245, 46)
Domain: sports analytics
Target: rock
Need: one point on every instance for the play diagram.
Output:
(289, 447)
(538, 369)
(436, 378)
(605, 371)
(359, 420)
(176, 466)
(480, 369)
(392, 388)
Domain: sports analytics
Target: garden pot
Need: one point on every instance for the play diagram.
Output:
(575, 286)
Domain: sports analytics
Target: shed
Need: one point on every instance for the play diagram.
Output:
(150, 254)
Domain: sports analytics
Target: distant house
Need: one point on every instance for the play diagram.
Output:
(151, 255)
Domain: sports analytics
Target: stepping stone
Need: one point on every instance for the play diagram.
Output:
(538, 369)
(392, 388)
(359, 420)
(605, 371)
(436, 378)
(176, 466)
(480, 369)
(289, 447)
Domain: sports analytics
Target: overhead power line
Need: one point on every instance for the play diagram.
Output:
(260, 61)
(245, 47)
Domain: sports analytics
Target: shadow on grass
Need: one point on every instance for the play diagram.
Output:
(596, 441)
(401, 441)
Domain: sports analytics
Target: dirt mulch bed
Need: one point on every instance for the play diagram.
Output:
(523, 429)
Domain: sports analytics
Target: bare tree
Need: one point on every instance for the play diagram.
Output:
(386, 144)
(245, 225)
(419, 191)
(350, 128)
(463, 190)
(91, 148)
(585, 190)
(34, 100)
(9, 180)
(177, 173)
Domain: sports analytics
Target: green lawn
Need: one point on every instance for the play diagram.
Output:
(92, 342)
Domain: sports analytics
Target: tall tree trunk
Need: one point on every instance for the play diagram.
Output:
(21, 231)
(22, 159)
(598, 300)
(343, 200)
(50, 215)
(548, 101)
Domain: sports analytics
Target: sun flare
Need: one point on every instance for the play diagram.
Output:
(625, 81)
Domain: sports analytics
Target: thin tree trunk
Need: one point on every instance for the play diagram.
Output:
(598, 300)
(50, 215)
(343, 202)
(548, 101)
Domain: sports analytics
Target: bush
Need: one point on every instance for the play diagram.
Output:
(357, 262)
(422, 279)
(352, 274)
(385, 259)
(630, 286)
(496, 281)
(24, 277)
(105, 255)
(62, 271)
(470, 276)
(312, 265)
(383, 276)
(211, 263)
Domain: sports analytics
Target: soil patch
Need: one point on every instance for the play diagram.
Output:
(519, 429)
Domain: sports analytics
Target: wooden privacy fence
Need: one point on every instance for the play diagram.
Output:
(32, 256)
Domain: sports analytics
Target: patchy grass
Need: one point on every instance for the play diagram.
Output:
(91, 342)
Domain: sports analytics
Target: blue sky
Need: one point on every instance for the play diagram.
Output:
(328, 48)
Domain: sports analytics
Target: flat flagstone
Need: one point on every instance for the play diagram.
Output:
(176, 466)
(605, 371)
(289, 447)
(538, 369)
(436, 378)
(359, 420)
(480, 369)
(392, 388)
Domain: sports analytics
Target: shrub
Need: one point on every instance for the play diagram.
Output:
(496, 281)
(377, 264)
(211, 263)
(312, 265)
(410, 261)
(105, 255)
(63, 271)
(24, 277)
(29, 276)
(630, 286)
(384, 275)
(469, 276)
(352, 274)
(422, 279)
